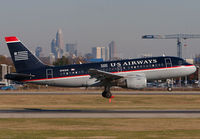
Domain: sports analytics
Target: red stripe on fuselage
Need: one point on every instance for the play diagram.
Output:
(110, 72)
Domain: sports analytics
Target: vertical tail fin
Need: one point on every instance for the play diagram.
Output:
(22, 58)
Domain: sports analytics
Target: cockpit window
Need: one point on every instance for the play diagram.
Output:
(180, 62)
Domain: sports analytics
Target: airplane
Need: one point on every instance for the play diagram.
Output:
(128, 73)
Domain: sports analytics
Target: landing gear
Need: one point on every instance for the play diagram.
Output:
(169, 89)
(169, 85)
(106, 93)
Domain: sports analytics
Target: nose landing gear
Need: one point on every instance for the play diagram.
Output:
(169, 89)
(169, 85)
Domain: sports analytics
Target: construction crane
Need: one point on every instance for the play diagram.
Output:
(179, 38)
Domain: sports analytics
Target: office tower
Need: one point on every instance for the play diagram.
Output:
(100, 53)
(59, 39)
(112, 49)
(54, 48)
(60, 43)
(96, 52)
(71, 48)
(107, 54)
(51, 58)
(57, 45)
(103, 53)
(38, 51)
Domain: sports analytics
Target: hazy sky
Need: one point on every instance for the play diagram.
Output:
(93, 23)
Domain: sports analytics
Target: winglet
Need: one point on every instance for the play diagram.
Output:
(11, 39)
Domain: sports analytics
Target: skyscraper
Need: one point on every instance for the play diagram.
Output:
(57, 45)
(60, 43)
(100, 53)
(71, 48)
(107, 54)
(96, 52)
(112, 49)
(38, 51)
(59, 39)
(54, 48)
(103, 53)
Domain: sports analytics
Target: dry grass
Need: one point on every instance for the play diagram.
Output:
(97, 102)
(101, 124)
(100, 128)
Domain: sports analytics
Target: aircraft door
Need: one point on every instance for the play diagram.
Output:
(49, 73)
(168, 62)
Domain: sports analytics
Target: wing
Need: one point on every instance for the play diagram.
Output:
(102, 75)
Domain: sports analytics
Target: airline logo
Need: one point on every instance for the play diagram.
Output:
(135, 62)
(22, 55)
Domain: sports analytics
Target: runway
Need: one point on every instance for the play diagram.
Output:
(73, 113)
(84, 92)
(93, 113)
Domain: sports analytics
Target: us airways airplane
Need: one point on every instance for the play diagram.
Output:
(130, 73)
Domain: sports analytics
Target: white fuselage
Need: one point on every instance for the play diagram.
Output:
(151, 74)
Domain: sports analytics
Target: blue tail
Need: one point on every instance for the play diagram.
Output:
(22, 58)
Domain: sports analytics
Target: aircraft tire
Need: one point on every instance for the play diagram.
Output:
(169, 89)
(106, 94)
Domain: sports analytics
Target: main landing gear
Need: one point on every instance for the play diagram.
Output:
(106, 93)
(169, 85)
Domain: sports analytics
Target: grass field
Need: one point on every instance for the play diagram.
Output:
(97, 102)
(100, 128)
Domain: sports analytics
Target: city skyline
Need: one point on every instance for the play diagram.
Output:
(58, 50)
(93, 23)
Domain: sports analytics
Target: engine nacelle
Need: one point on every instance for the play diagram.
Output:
(138, 81)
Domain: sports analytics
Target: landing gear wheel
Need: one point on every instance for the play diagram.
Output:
(169, 89)
(107, 94)
(104, 94)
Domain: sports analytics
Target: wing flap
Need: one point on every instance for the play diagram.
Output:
(102, 75)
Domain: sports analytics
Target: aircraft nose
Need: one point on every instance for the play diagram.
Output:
(193, 69)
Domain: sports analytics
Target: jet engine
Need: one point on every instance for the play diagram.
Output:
(137, 81)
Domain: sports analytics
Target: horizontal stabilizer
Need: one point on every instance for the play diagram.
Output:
(18, 76)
